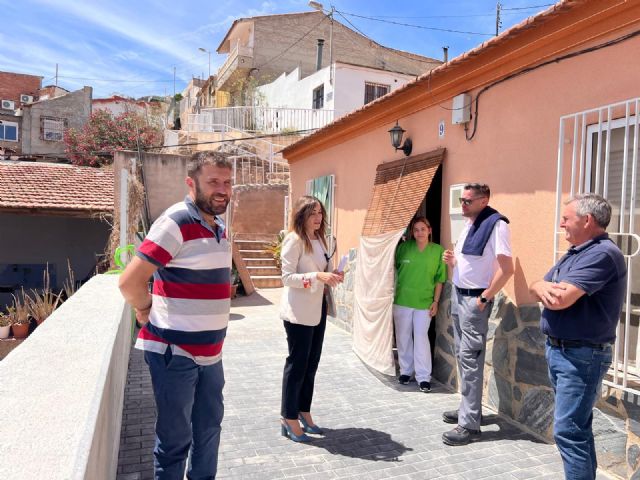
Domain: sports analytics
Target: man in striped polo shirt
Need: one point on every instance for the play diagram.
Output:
(185, 318)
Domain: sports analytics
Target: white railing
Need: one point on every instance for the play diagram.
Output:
(598, 151)
(262, 119)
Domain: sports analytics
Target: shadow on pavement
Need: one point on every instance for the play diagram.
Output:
(364, 443)
(253, 300)
(235, 316)
(500, 429)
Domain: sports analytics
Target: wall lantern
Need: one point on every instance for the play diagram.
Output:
(396, 139)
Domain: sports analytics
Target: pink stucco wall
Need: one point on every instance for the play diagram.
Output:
(514, 151)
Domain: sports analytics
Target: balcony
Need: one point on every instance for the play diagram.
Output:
(261, 119)
(240, 58)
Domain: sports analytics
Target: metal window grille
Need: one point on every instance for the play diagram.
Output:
(52, 128)
(598, 151)
(318, 97)
(374, 90)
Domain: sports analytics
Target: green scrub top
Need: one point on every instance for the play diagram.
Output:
(417, 273)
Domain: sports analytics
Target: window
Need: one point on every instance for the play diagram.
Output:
(323, 189)
(374, 90)
(8, 131)
(52, 128)
(318, 97)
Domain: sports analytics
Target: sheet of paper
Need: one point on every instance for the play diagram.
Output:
(343, 263)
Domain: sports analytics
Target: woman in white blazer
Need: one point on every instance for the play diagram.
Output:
(305, 274)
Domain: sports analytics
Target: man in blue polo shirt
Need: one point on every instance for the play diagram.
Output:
(185, 318)
(582, 297)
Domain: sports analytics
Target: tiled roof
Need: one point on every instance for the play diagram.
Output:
(54, 186)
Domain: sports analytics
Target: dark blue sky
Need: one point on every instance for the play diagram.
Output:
(131, 47)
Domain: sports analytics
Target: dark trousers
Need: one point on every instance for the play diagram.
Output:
(190, 409)
(305, 349)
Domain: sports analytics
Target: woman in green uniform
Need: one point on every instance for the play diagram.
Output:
(420, 273)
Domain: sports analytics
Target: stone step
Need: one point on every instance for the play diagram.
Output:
(255, 254)
(244, 245)
(267, 281)
(263, 270)
(257, 262)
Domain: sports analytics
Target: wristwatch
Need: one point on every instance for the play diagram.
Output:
(483, 299)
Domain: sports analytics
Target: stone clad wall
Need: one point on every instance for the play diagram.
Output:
(344, 296)
(516, 382)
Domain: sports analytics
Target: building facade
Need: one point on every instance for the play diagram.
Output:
(528, 113)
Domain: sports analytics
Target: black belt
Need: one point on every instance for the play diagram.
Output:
(470, 292)
(558, 342)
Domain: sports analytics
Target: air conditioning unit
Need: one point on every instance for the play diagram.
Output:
(8, 105)
(26, 98)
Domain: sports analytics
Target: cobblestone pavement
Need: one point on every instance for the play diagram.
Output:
(375, 428)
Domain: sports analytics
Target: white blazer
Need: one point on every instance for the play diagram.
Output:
(301, 305)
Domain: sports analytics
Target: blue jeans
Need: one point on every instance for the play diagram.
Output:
(190, 409)
(576, 374)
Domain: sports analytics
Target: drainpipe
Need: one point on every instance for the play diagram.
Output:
(319, 54)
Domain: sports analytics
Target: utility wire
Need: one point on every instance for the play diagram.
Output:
(529, 8)
(457, 16)
(609, 43)
(292, 45)
(415, 26)
(417, 58)
(113, 80)
(232, 140)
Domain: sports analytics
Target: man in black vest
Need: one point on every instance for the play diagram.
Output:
(582, 296)
(482, 264)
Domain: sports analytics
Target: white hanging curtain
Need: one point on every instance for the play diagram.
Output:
(374, 290)
(398, 190)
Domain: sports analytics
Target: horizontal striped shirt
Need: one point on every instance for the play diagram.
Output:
(191, 288)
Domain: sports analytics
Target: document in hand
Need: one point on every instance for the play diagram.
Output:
(343, 263)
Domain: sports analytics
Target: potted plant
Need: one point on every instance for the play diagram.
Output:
(41, 306)
(20, 317)
(5, 325)
(275, 248)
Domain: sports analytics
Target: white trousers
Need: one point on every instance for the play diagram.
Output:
(412, 340)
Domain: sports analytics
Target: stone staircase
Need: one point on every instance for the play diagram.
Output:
(261, 265)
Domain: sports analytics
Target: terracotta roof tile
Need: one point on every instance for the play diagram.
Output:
(39, 185)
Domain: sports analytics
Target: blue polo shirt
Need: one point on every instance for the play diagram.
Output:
(597, 267)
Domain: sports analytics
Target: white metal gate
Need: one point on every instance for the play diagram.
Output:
(598, 152)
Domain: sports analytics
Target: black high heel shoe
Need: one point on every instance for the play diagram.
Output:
(315, 429)
(287, 432)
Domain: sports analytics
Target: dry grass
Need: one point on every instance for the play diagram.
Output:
(19, 312)
(40, 306)
(134, 214)
(69, 284)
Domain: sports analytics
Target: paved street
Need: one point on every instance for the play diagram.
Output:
(375, 428)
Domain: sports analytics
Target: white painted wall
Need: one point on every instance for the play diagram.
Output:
(65, 385)
(291, 91)
(349, 84)
(118, 107)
